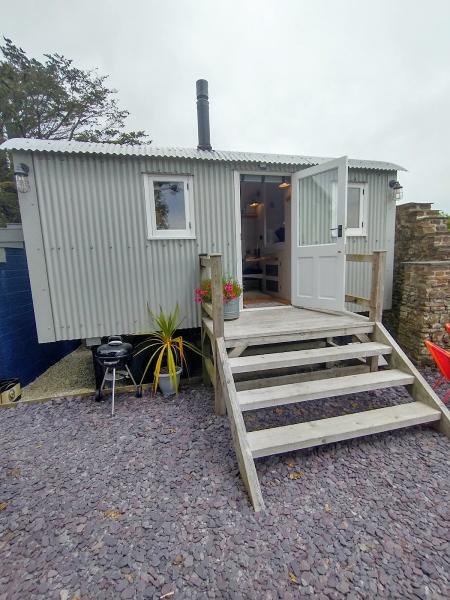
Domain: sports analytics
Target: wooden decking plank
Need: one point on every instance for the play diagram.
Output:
(267, 442)
(299, 335)
(314, 390)
(298, 358)
(289, 324)
(263, 382)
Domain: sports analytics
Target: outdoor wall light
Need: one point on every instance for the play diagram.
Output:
(21, 174)
(397, 189)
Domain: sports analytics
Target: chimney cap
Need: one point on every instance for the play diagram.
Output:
(202, 87)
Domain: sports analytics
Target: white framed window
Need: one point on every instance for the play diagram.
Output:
(169, 207)
(356, 209)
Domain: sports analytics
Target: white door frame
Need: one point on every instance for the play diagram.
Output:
(237, 220)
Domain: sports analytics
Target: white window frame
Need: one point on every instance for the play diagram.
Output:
(362, 229)
(164, 234)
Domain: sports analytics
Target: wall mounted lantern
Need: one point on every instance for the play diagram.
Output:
(397, 189)
(21, 173)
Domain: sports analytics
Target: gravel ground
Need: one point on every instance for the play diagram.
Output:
(149, 504)
(71, 374)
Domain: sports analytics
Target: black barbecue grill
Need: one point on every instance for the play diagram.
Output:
(114, 357)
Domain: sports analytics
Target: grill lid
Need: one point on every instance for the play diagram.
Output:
(115, 348)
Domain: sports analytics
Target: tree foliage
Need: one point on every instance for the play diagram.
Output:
(55, 100)
(9, 206)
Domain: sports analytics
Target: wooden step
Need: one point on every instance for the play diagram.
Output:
(322, 388)
(266, 442)
(299, 358)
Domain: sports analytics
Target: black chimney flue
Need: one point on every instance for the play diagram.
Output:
(204, 142)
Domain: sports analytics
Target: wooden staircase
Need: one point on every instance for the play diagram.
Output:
(330, 359)
(424, 408)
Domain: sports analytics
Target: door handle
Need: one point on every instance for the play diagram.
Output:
(338, 229)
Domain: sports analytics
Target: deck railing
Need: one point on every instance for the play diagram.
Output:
(210, 266)
(375, 302)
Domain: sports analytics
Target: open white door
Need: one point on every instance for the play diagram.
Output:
(319, 204)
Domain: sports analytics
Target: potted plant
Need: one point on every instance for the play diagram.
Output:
(167, 350)
(231, 294)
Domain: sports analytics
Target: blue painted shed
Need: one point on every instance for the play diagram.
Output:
(21, 355)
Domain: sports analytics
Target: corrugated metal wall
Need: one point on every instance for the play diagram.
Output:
(102, 269)
(380, 234)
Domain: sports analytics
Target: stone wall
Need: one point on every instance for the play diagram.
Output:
(421, 293)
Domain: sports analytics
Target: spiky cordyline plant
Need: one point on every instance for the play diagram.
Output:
(163, 344)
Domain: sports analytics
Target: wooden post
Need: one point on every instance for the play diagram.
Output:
(203, 274)
(377, 288)
(217, 294)
(218, 326)
(377, 295)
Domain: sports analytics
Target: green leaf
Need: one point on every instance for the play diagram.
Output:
(166, 345)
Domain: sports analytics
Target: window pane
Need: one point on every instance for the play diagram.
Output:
(169, 205)
(317, 208)
(353, 216)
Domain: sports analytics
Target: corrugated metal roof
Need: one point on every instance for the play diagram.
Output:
(150, 150)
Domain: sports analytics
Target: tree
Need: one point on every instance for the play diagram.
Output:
(9, 206)
(54, 100)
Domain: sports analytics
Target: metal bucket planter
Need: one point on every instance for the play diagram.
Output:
(231, 309)
(166, 385)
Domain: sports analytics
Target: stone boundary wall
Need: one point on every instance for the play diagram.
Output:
(421, 289)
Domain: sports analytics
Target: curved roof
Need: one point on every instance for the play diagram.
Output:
(149, 150)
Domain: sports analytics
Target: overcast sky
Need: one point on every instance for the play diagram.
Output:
(370, 79)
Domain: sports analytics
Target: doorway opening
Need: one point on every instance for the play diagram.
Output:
(265, 207)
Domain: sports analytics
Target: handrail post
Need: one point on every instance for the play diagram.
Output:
(203, 274)
(218, 325)
(377, 286)
(217, 294)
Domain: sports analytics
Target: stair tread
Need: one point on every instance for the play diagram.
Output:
(321, 388)
(266, 442)
(277, 360)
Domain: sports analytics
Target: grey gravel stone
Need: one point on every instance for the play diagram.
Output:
(102, 507)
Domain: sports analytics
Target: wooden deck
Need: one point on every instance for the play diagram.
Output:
(287, 323)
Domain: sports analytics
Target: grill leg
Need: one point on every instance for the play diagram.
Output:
(104, 379)
(113, 386)
(131, 376)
